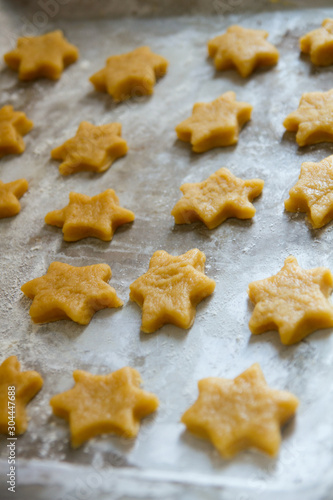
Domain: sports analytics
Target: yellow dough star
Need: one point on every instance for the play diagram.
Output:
(313, 193)
(240, 413)
(319, 44)
(9, 194)
(130, 75)
(99, 404)
(93, 148)
(13, 125)
(170, 290)
(214, 124)
(243, 49)
(98, 216)
(16, 390)
(216, 199)
(294, 301)
(42, 56)
(313, 120)
(69, 292)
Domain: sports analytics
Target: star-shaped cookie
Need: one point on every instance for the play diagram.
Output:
(13, 125)
(69, 292)
(313, 193)
(243, 49)
(319, 44)
(294, 301)
(42, 56)
(93, 148)
(16, 390)
(84, 216)
(214, 124)
(99, 404)
(170, 290)
(240, 413)
(130, 75)
(9, 195)
(313, 120)
(216, 199)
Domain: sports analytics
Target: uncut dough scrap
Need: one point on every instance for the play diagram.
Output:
(97, 216)
(243, 49)
(214, 124)
(69, 292)
(171, 288)
(313, 193)
(42, 56)
(216, 199)
(240, 413)
(130, 75)
(294, 301)
(26, 384)
(99, 404)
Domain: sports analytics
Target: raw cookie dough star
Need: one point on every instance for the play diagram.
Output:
(16, 390)
(93, 148)
(170, 290)
(294, 301)
(240, 413)
(9, 194)
(216, 199)
(99, 404)
(319, 44)
(130, 75)
(313, 193)
(243, 49)
(84, 216)
(313, 120)
(42, 56)
(215, 123)
(13, 125)
(69, 292)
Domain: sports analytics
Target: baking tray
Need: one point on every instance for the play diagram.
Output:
(165, 461)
